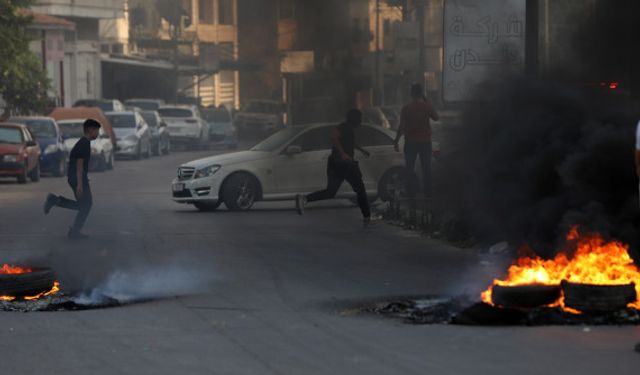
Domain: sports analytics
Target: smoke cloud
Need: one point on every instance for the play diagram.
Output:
(146, 283)
(536, 157)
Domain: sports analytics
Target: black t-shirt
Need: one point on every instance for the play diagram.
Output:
(82, 150)
(347, 140)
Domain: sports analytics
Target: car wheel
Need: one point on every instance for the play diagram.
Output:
(157, 150)
(392, 184)
(111, 161)
(167, 147)
(62, 168)
(35, 174)
(147, 154)
(206, 206)
(138, 152)
(22, 178)
(240, 192)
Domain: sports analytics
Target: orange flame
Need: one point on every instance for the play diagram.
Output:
(595, 261)
(12, 270)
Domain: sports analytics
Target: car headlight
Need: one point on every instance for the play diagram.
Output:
(11, 158)
(50, 149)
(207, 171)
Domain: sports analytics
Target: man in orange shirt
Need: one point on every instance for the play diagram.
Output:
(416, 127)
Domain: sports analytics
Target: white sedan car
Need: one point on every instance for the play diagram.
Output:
(291, 161)
(102, 150)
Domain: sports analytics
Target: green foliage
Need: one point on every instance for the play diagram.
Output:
(23, 82)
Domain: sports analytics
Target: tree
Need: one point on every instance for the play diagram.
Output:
(23, 82)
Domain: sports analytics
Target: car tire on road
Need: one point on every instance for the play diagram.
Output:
(207, 206)
(22, 178)
(138, 155)
(34, 176)
(240, 191)
(111, 161)
(62, 168)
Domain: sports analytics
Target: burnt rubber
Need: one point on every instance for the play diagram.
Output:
(598, 298)
(525, 296)
(27, 284)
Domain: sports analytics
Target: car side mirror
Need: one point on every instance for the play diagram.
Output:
(32, 143)
(293, 150)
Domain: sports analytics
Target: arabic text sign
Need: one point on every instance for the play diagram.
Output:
(482, 39)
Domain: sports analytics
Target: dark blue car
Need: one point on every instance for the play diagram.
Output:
(55, 155)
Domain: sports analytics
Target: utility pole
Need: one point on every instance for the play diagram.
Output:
(174, 36)
(420, 14)
(377, 90)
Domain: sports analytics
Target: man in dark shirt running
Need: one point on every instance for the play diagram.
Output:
(78, 181)
(342, 166)
(415, 126)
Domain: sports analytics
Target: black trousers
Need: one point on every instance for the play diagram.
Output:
(413, 151)
(337, 173)
(82, 204)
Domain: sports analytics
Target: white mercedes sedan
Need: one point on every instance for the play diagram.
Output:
(291, 161)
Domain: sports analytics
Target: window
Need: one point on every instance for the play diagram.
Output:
(225, 12)
(205, 11)
(367, 136)
(122, 121)
(315, 140)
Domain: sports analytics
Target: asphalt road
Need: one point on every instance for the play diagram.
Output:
(265, 292)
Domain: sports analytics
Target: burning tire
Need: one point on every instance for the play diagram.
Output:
(598, 298)
(525, 296)
(28, 283)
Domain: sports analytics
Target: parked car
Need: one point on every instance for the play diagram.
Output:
(289, 162)
(259, 117)
(54, 153)
(186, 125)
(71, 120)
(19, 153)
(221, 129)
(145, 104)
(160, 137)
(132, 134)
(106, 105)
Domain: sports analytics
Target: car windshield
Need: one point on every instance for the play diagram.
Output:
(261, 107)
(72, 129)
(278, 139)
(143, 104)
(122, 121)
(150, 118)
(41, 128)
(10, 135)
(175, 112)
(216, 115)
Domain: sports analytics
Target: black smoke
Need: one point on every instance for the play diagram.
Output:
(535, 157)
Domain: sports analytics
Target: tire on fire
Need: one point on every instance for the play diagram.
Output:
(525, 296)
(598, 298)
(27, 284)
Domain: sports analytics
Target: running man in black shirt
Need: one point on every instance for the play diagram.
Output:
(78, 180)
(342, 166)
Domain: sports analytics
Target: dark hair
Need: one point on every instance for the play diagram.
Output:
(416, 90)
(91, 123)
(354, 116)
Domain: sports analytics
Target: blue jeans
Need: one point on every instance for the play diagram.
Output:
(413, 151)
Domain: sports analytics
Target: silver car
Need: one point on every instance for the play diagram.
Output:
(132, 133)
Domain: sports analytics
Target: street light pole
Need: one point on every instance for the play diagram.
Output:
(377, 90)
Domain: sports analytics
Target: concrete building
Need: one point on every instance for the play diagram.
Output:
(80, 74)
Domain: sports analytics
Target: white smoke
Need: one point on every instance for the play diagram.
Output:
(146, 284)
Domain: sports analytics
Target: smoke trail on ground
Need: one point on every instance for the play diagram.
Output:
(535, 157)
(147, 283)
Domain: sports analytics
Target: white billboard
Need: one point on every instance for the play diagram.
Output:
(482, 40)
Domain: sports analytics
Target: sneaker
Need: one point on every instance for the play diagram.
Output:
(301, 202)
(76, 235)
(51, 201)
